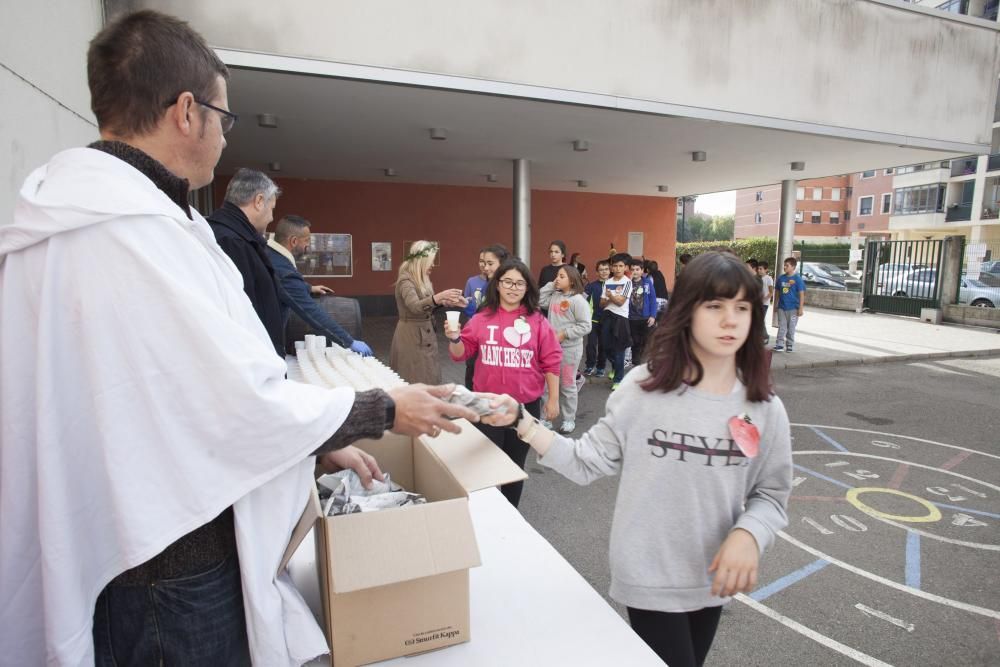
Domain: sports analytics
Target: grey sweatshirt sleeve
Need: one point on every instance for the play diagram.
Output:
(598, 453)
(767, 502)
(581, 316)
(545, 294)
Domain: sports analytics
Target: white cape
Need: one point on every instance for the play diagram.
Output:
(140, 397)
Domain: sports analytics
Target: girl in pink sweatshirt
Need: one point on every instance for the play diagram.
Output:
(519, 355)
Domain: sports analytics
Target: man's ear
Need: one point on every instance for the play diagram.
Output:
(182, 112)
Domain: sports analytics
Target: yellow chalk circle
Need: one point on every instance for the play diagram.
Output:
(933, 513)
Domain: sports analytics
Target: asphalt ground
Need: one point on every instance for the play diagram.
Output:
(850, 587)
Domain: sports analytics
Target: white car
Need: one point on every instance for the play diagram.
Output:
(916, 283)
(975, 293)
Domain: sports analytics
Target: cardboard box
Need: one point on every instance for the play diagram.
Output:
(396, 582)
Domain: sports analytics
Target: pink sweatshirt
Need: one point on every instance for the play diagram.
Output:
(512, 359)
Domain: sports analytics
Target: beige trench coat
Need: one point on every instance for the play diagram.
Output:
(414, 353)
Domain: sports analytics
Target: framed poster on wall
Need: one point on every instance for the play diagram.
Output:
(328, 256)
(437, 257)
(381, 256)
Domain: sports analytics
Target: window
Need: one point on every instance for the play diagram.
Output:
(888, 172)
(757, 218)
(868, 174)
(835, 194)
(760, 196)
(849, 192)
(834, 218)
(800, 193)
(816, 217)
(865, 205)
(847, 217)
(919, 199)
(798, 216)
(886, 203)
(817, 193)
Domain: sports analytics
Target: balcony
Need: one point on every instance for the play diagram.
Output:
(964, 166)
(959, 213)
(993, 163)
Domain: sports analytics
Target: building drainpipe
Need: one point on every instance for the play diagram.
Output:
(522, 210)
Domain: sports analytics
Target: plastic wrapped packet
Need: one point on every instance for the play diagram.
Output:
(476, 402)
(342, 493)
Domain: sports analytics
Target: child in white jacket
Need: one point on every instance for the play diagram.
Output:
(569, 315)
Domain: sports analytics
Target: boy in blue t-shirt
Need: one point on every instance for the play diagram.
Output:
(789, 291)
(596, 358)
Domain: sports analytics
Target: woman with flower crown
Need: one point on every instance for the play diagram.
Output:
(414, 353)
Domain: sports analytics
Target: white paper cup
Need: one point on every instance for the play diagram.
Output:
(452, 316)
(300, 345)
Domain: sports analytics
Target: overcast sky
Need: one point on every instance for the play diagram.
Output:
(716, 203)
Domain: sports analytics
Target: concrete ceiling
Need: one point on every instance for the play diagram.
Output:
(339, 129)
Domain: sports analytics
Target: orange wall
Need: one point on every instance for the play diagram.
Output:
(464, 219)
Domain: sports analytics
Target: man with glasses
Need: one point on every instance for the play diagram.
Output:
(154, 459)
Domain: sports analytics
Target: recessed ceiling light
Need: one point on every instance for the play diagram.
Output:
(582, 183)
(267, 120)
(581, 146)
(798, 166)
(390, 171)
(491, 178)
(699, 156)
(274, 166)
(438, 134)
(662, 188)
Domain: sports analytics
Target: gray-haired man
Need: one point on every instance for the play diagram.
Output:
(239, 227)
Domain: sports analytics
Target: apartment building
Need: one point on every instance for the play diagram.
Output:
(822, 209)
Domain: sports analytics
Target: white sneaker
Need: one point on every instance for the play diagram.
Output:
(580, 381)
(567, 427)
(546, 423)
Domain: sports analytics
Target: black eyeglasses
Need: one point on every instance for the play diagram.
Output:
(228, 117)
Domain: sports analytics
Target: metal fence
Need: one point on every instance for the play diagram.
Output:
(903, 277)
(827, 268)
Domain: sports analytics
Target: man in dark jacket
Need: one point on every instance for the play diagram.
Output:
(239, 229)
(291, 239)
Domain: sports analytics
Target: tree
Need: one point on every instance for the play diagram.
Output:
(700, 227)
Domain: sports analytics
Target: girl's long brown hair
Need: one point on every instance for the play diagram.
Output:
(576, 285)
(672, 362)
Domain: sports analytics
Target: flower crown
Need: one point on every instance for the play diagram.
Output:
(427, 250)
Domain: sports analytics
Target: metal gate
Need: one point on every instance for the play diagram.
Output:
(901, 277)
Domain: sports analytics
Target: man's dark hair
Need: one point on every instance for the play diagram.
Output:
(622, 257)
(685, 257)
(562, 247)
(791, 260)
(601, 262)
(289, 226)
(636, 261)
(141, 62)
(530, 299)
(763, 263)
(752, 262)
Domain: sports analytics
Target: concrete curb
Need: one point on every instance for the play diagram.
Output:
(867, 361)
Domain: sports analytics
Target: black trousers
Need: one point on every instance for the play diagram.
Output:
(595, 348)
(639, 330)
(506, 439)
(680, 639)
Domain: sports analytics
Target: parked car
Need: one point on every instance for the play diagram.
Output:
(917, 284)
(887, 273)
(816, 277)
(989, 273)
(975, 293)
(838, 274)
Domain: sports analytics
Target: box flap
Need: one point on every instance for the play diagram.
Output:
(473, 459)
(312, 511)
(380, 548)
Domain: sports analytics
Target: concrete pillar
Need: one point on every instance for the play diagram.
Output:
(857, 243)
(951, 268)
(786, 227)
(522, 210)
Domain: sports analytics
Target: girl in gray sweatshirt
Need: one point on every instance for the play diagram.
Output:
(704, 452)
(569, 315)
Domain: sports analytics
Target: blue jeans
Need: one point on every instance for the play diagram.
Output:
(196, 621)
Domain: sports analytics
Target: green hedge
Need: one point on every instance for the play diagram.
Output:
(767, 249)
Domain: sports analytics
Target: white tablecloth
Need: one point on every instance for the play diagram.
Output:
(528, 607)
